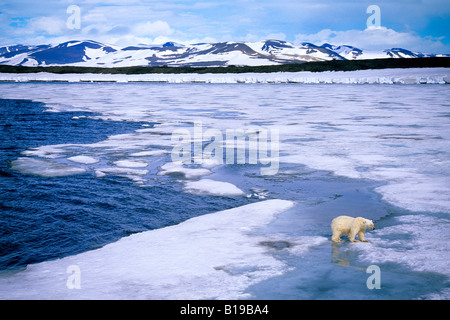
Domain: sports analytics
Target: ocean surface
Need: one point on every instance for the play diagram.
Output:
(88, 179)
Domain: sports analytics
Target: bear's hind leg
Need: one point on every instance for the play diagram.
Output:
(336, 237)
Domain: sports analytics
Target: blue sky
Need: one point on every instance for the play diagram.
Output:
(419, 25)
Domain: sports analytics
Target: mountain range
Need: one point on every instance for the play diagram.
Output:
(90, 53)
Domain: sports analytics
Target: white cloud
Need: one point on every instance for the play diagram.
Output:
(157, 28)
(376, 39)
(276, 36)
(48, 25)
(191, 21)
(125, 40)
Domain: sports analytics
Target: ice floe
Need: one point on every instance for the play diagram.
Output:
(44, 168)
(215, 256)
(179, 168)
(131, 164)
(212, 187)
(83, 159)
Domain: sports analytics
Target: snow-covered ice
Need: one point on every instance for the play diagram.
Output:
(382, 76)
(83, 159)
(179, 168)
(131, 164)
(317, 128)
(45, 168)
(148, 153)
(396, 135)
(208, 186)
(215, 256)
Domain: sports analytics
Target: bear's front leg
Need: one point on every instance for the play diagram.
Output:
(351, 237)
(361, 236)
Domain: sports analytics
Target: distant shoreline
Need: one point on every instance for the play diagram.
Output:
(392, 76)
(319, 66)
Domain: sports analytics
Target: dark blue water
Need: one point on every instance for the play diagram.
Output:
(46, 218)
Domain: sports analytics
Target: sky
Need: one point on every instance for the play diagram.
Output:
(417, 25)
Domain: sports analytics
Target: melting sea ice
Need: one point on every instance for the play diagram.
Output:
(89, 186)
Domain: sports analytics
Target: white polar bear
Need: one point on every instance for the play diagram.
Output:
(350, 226)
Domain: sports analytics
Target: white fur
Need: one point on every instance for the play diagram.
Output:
(350, 226)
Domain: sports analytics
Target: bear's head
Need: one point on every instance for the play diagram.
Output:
(369, 224)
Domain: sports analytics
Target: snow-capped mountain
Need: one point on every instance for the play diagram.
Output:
(67, 53)
(269, 52)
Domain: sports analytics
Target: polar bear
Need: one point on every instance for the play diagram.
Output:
(350, 226)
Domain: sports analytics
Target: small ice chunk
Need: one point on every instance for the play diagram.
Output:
(177, 168)
(149, 153)
(123, 171)
(135, 175)
(78, 117)
(83, 159)
(100, 174)
(130, 163)
(48, 152)
(208, 162)
(45, 168)
(212, 187)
